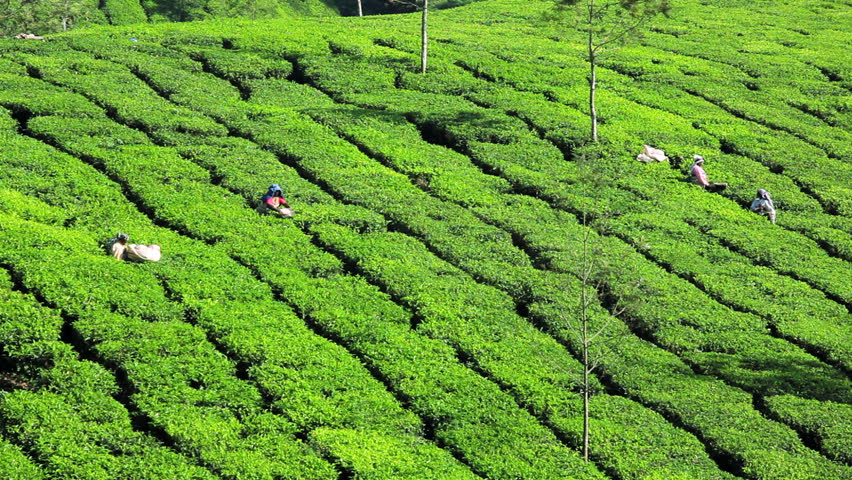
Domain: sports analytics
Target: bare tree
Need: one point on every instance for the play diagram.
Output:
(607, 24)
(423, 6)
(590, 328)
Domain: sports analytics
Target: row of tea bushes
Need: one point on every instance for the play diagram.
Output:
(309, 410)
(14, 465)
(155, 192)
(63, 412)
(828, 423)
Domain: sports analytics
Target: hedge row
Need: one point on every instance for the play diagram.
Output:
(304, 390)
(181, 385)
(375, 140)
(529, 442)
(106, 83)
(302, 130)
(391, 142)
(14, 465)
(191, 289)
(475, 320)
(40, 98)
(830, 424)
(65, 415)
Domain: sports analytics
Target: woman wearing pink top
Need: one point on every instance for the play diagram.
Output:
(699, 176)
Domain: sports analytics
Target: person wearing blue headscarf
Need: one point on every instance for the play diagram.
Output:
(274, 201)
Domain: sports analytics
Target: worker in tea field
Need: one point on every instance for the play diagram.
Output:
(274, 201)
(699, 176)
(762, 205)
(121, 250)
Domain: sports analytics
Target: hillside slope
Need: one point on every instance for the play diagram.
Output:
(413, 319)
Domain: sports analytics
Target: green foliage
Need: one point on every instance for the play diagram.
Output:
(356, 451)
(826, 423)
(124, 12)
(15, 466)
(47, 16)
(421, 285)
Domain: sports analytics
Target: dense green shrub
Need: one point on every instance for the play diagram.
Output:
(825, 423)
(124, 12)
(15, 466)
(498, 212)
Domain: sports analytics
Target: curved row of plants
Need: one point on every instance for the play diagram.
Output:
(833, 315)
(101, 128)
(65, 414)
(456, 423)
(177, 380)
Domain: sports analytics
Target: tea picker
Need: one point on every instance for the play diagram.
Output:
(763, 205)
(274, 202)
(699, 176)
(121, 250)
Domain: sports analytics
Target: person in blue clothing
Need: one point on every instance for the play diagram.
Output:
(274, 202)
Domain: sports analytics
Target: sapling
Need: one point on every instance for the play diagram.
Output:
(607, 25)
(423, 6)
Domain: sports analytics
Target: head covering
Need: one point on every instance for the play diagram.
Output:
(122, 237)
(274, 190)
(764, 195)
(698, 159)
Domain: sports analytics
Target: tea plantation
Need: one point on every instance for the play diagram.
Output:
(413, 320)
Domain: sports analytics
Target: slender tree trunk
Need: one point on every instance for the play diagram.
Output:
(64, 24)
(584, 340)
(593, 80)
(360, 11)
(424, 51)
(593, 109)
